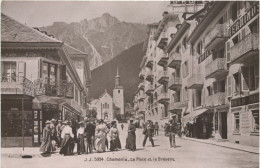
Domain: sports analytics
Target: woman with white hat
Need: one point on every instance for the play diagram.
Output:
(67, 136)
(46, 139)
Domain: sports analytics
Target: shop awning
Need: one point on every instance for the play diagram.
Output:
(193, 114)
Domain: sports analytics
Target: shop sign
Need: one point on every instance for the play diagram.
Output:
(50, 106)
(244, 122)
(243, 20)
(205, 55)
(245, 100)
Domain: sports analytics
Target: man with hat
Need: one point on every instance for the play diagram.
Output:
(89, 133)
(58, 131)
(46, 139)
(53, 136)
(148, 132)
(172, 128)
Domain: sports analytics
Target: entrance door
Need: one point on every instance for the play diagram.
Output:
(224, 125)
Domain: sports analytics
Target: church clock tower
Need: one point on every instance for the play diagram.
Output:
(118, 96)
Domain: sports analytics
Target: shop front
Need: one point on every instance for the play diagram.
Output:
(244, 119)
(16, 121)
(198, 124)
(220, 124)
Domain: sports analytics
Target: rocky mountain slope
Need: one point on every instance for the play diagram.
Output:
(102, 38)
(128, 63)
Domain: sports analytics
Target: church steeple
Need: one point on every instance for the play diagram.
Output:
(117, 80)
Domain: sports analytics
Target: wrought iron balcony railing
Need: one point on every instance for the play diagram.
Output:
(244, 47)
(178, 105)
(216, 35)
(163, 97)
(149, 62)
(175, 83)
(149, 88)
(163, 59)
(215, 100)
(51, 87)
(195, 81)
(216, 68)
(174, 60)
(16, 85)
(149, 75)
(163, 77)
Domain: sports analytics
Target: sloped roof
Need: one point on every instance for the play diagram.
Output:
(13, 31)
(105, 92)
(74, 51)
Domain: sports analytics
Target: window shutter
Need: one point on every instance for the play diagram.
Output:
(215, 87)
(203, 97)
(63, 75)
(229, 86)
(228, 52)
(245, 79)
(21, 69)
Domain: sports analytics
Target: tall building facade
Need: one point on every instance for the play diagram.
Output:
(209, 75)
(38, 83)
(153, 95)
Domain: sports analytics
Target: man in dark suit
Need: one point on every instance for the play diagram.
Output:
(172, 129)
(89, 133)
(148, 132)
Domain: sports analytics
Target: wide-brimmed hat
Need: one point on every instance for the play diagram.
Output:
(53, 120)
(131, 119)
(86, 118)
(81, 122)
(47, 122)
(65, 122)
(59, 120)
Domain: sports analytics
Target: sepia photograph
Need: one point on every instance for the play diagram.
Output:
(151, 84)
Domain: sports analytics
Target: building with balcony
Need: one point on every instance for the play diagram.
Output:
(242, 58)
(38, 82)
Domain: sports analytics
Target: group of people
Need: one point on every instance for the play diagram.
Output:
(87, 134)
(90, 135)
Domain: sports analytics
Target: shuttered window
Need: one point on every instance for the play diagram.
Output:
(9, 72)
(255, 116)
(236, 122)
(229, 86)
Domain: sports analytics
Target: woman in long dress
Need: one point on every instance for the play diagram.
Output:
(115, 143)
(101, 134)
(80, 136)
(66, 136)
(131, 137)
(46, 139)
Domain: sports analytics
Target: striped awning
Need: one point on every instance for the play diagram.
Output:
(192, 115)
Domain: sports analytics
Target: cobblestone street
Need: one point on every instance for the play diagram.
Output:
(187, 154)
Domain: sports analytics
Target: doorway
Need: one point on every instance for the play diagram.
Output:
(224, 125)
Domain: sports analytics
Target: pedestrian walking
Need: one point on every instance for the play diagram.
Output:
(67, 136)
(46, 139)
(122, 126)
(93, 146)
(115, 143)
(148, 132)
(156, 128)
(171, 131)
(89, 132)
(131, 137)
(54, 139)
(58, 132)
(80, 139)
(101, 135)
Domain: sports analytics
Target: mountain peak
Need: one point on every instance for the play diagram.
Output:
(106, 15)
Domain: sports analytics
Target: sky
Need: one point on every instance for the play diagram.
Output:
(44, 13)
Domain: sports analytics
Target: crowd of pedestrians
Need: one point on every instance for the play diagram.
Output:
(93, 136)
